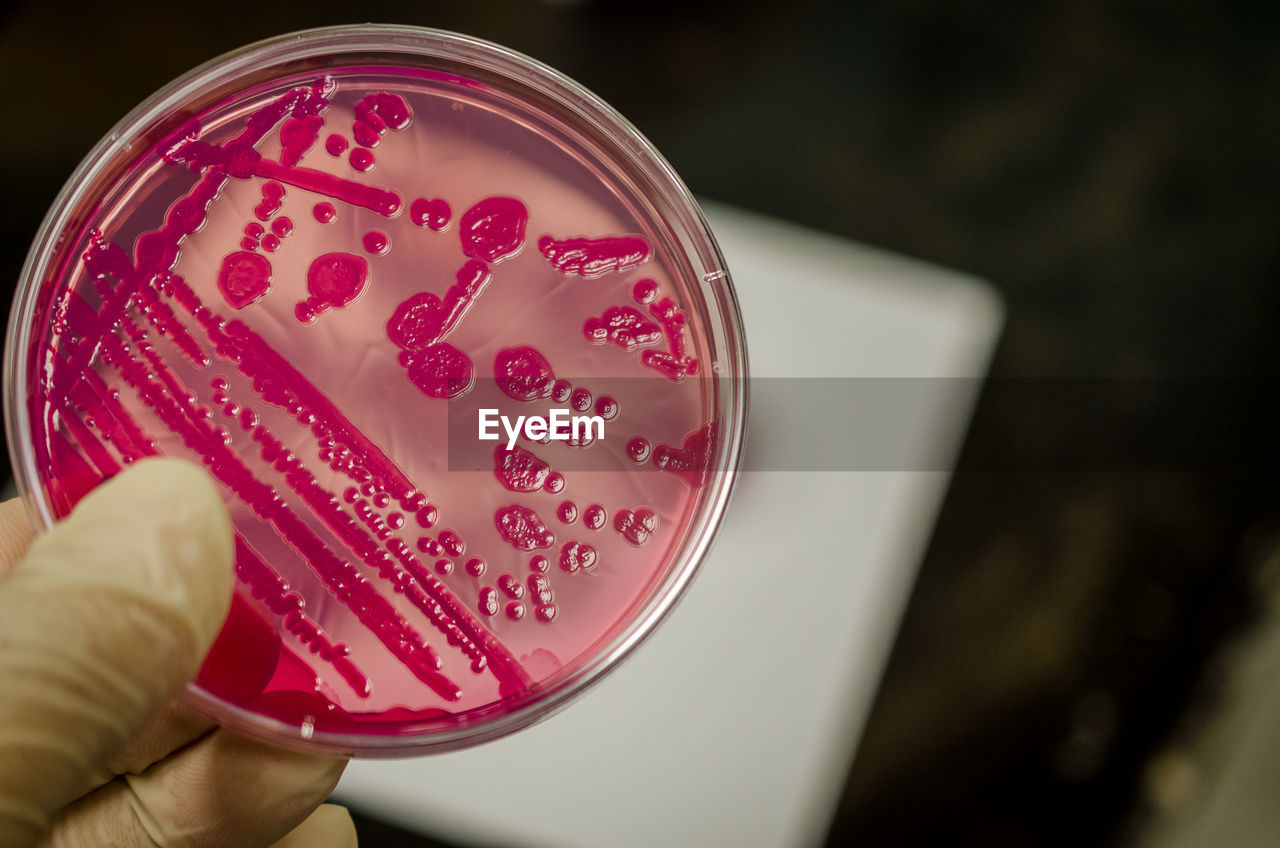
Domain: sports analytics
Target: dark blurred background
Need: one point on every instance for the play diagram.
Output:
(1112, 167)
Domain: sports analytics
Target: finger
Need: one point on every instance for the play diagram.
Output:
(330, 826)
(100, 625)
(173, 728)
(224, 790)
(16, 533)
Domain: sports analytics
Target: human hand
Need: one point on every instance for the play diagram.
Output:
(103, 619)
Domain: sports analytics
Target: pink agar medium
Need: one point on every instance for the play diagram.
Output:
(292, 292)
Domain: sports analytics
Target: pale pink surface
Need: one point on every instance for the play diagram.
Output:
(460, 146)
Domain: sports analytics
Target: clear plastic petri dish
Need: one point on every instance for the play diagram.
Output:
(455, 342)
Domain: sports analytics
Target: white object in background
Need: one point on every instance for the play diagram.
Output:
(736, 722)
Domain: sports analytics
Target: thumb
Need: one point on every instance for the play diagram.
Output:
(102, 622)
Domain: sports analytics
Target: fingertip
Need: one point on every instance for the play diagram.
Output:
(302, 779)
(330, 826)
(223, 791)
(227, 789)
(171, 513)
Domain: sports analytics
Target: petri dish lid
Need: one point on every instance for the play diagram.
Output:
(348, 270)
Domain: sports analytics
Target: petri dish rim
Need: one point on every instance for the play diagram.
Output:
(157, 117)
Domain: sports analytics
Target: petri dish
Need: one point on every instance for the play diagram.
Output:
(452, 337)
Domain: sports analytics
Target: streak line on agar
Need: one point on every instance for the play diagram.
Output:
(256, 359)
(91, 397)
(341, 578)
(269, 587)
